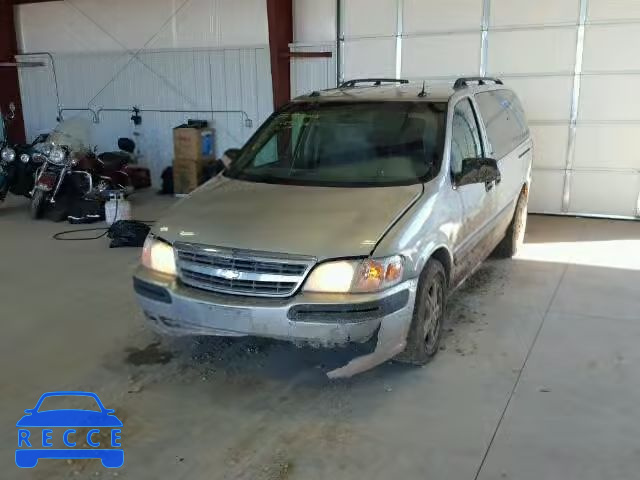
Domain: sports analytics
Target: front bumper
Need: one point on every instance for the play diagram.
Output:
(320, 319)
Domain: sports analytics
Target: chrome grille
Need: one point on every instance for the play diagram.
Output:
(241, 272)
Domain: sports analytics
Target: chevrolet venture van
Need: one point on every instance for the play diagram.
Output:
(349, 216)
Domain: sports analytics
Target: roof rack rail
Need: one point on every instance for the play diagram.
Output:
(376, 81)
(463, 81)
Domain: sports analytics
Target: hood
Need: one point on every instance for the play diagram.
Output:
(324, 222)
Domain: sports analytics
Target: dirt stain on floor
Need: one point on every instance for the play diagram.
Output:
(149, 355)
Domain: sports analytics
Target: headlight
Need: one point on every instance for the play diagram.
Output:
(158, 255)
(24, 158)
(8, 154)
(356, 276)
(57, 155)
(46, 148)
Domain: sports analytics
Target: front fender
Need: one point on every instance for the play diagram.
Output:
(433, 223)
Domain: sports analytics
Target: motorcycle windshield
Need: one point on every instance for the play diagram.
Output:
(3, 132)
(74, 133)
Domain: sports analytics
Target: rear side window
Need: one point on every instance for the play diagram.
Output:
(504, 120)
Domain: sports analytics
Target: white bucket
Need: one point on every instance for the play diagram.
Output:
(117, 208)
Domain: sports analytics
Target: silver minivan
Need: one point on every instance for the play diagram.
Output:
(348, 217)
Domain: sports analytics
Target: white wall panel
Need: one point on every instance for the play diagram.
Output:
(441, 55)
(39, 105)
(544, 98)
(611, 47)
(607, 146)
(436, 15)
(613, 10)
(531, 51)
(546, 191)
(370, 17)
(550, 145)
(314, 21)
(231, 79)
(591, 192)
(527, 12)
(57, 27)
(609, 97)
(309, 74)
(370, 58)
(95, 25)
(242, 22)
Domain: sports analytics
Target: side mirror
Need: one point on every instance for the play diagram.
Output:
(232, 154)
(229, 157)
(478, 170)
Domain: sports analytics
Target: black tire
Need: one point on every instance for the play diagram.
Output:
(38, 203)
(426, 326)
(514, 238)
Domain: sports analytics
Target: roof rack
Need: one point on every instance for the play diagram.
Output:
(376, 81)
(463, 81)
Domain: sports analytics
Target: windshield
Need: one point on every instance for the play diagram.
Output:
(74, 133)
(346, 144)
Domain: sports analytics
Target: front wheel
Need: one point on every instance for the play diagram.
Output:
(428, 314)
(38, 203)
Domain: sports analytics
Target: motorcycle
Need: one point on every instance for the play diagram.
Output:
(124, 161)
(18, 163)
(6, 158)
(70, 170)
(73, 172)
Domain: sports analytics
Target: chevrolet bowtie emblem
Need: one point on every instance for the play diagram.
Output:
(230, 274)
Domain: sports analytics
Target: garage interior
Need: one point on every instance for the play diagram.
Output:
(537, 376)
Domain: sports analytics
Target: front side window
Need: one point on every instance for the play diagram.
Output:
(346, 144)
(504, 120)
(465, 137)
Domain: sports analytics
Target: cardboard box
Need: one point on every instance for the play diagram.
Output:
(193, 143)
(187, 174)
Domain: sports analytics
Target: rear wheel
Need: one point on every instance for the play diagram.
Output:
(514, 238)
(428, 314)
(38, 202)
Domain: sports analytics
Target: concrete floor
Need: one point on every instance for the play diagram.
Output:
(538, 377)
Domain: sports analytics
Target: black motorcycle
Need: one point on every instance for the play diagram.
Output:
(6, 160)
(18, 166)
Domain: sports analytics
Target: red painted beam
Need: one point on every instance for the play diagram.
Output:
(280, 18)
(9, 86)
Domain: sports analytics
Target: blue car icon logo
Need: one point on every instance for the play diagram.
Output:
(34, 444)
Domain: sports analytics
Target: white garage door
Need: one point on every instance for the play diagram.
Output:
(574, 63)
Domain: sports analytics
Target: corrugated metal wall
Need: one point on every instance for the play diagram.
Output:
(309, 74)
(226, 79)
(155, 54)
(314, 30)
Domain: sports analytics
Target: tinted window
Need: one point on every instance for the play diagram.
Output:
(465, 139)
(504, 120)
(346, 144)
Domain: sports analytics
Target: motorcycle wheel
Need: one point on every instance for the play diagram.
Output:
(38, 202)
